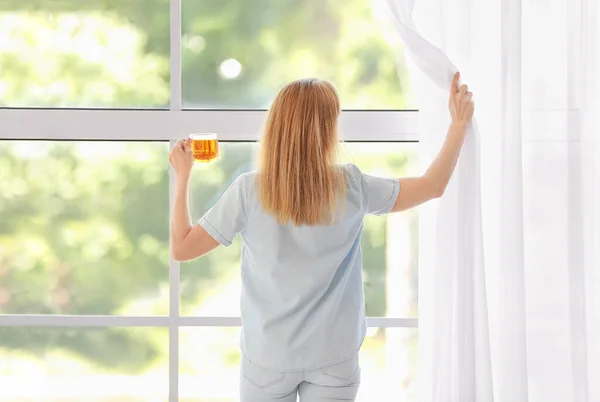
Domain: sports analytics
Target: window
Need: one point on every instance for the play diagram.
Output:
(44, 364)
(88, 293)
(237, 54)
(84, 228)
(94, 53)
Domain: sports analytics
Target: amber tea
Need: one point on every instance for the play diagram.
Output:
(205, 147)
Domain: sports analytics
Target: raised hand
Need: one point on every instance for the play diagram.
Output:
(182, 158)
(461, 102)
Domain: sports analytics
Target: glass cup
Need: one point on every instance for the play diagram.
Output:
(205, 147)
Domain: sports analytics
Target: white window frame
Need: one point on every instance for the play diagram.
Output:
(170, 125)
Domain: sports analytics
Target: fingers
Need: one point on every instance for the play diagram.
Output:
(179, 146)
(455, 81)
(188, 145)
(181, 151)
(461, 103)
(460, 93)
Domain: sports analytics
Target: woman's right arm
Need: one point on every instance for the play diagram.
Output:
(417, 190)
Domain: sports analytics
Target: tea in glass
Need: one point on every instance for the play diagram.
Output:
(205, 147)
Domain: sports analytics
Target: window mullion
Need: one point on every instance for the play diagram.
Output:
(174, 302)
(174, 274)
(175, 56)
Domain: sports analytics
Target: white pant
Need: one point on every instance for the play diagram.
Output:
(338, 382)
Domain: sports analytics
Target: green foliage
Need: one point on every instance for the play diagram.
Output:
(111, 348)
(115, 53)
(280, 41)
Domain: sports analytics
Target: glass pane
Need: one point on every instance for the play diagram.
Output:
(238, 53)
(388, 360)
(390, 244)
(84, 228)
(209, 362)
(84, 364)
(93, 53)
(211, 285)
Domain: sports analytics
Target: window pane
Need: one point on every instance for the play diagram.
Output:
(238, 53)
(211, 285)
(84, 364)
(84, 228)
(209, 362)
(92, 53)
(388, 359)
(390, 243)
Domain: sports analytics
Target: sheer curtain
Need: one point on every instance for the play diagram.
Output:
(509, 296)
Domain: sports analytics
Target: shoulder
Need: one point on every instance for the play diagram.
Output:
(350, 169)
(353, 177)
(244, 181)
(247, 181)
(239, 188)
(352, 173)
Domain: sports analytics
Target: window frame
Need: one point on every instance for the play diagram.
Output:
(170, 125)
(173, 124)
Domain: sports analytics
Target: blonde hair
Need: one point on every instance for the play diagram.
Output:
(298, 179)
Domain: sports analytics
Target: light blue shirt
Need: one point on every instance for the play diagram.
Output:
(302, 289)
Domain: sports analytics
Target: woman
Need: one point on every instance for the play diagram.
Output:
(300, 216)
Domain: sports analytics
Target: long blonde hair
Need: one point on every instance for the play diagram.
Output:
(298, 179)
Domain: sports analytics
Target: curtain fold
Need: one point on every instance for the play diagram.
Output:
(509, 282)
(453, 318)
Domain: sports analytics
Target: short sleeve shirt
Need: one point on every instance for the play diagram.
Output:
(302, 289)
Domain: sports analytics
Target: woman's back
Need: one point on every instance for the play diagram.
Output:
(301, 220)
(302, 298)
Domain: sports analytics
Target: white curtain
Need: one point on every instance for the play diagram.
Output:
(509, 294)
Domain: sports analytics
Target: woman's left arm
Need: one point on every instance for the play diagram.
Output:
(187, 241)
